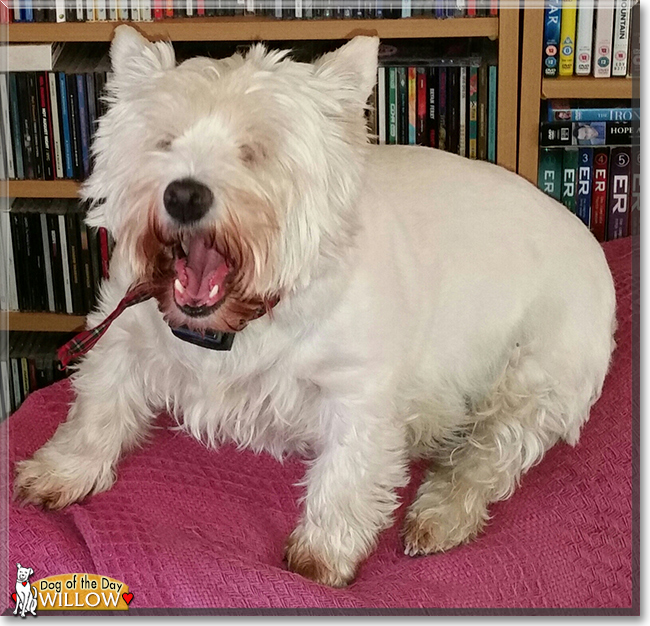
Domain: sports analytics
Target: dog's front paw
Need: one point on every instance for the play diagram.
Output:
(304, 558)
(41, 481)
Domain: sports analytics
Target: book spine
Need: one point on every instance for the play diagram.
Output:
(599, 193)
(100, 10)
(412, 106)
(80, 12)
(442, 108)
(381, 105)
(123, 9)
(65, 262)
(158, 9)
(421, 129)
(473, 112)
(403, 114)
(86, 266)
(34, 117)
(551, 58)
(111, 6)
(90, 10)
(73, 113)
(621, 38)
(18, 247)
(48, 165)
(432, 88)
(619, 193)
(29, 10)
(65, 123)
(570, 178)
(57, 267)
(550, 172)
(462, 113)
(14, 114)
(26, 127)
(56, 128)
(453, 104)
(603, 40)
(585, 172)
(482, 111)
(145, 10)
(12, 291)
(567, 36)
(493, 74)
(18, 13)
(48, 263)
(83, 124)
(558, 112)
(635, 201)
(393, 126)
(6, 126)
(586, 133)
(39, 277)
(74, 256)
(584, 37)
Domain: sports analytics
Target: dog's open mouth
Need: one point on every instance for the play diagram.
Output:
(201, 276)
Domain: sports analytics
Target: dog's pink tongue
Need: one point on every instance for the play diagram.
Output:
(201, 273)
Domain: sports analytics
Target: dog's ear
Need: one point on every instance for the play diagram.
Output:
(134, 58)
(31, 571)
(352, 68)
(18, 565)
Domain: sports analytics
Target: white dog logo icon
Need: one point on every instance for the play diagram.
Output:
(25, 594)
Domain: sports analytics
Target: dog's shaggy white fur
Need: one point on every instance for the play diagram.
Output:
(429, 305)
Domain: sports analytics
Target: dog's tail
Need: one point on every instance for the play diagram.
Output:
(34, 592)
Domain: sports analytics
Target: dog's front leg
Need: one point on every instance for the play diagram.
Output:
(109, 415)
(350, 492)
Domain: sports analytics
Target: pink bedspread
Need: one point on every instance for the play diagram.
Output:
(187, 527)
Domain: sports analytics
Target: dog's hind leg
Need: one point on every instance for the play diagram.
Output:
(513, 427)
(110, 414)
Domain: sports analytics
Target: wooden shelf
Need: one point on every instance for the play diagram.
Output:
(256, 29)
(587, 87)
(40, 188)
(51, 322)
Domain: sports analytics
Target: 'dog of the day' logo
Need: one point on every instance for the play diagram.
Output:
(79, 592)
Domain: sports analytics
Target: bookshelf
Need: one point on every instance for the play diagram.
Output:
(534, 89)
(504, 28)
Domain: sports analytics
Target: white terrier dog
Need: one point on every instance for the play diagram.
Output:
(426, 304)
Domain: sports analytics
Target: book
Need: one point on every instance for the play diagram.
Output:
(453, 109)
(57, 144)
(585, 171)
(473, 113)
(16, 127)
(462, 113)
(381, 104)
(45, 122)
(35, 125)
(412, 106)
(586, 133)
(569, 178)
(47, 256)
(482, 111)
(8, 254)
(635, 200)
(551, 53)
(26, 126)
(621, 38)
(599, 192)
(402, 113)
(619, 193)
(66, 132)
(6, 126)
(65, 261)
(492, 113)
(393, 117)
(421, 116)
(584, 37)
(565, 110)
(432, 89)
(567, 37)
(550, 168)
(603, 40)
(442, 108)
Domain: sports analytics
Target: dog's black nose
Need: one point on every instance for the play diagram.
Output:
(187, 200)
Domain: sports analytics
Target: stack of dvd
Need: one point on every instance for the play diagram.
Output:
(27, 363)
(54, 261)
(148, 10)
(49, 117)
(585, 38)
(442, 98)
(589, 160)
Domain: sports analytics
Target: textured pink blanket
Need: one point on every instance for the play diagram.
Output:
(187, 527)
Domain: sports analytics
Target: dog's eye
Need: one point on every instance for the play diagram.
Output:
(164, 144)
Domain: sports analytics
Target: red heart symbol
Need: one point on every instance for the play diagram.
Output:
(127, 598)
(25, 583)
(13, 595)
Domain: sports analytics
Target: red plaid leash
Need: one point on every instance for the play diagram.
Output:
(80, 344)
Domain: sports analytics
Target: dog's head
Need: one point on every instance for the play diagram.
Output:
(229, 183)
(24, 573)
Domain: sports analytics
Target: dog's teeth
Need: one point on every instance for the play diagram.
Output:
(214, 291)
(178, 286)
